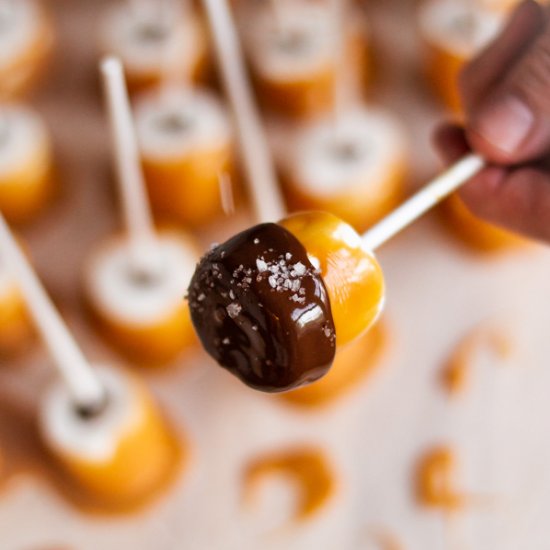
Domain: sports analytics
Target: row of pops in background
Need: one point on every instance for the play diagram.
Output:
(186, 142)
(186, 134)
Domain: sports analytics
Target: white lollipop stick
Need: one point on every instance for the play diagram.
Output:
(433, 193)
(82, 382)
(135, 203)
(341, 81)
(266, 196)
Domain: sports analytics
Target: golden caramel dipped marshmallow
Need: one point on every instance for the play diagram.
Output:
(454, 31)
(26, 163)
(15, 327)
(272, 303)
(295, 60)
(155, 41)
(186, 143)
(142, 315)
(475, 232)
(119, 457)
(355, 171)
(26, 40)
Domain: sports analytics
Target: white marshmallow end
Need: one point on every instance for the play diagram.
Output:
(120, 294)
(180, 122)
(359, 156)
(20, 23)
(460, 28)
(141, 38)
(304, 42)
(95, 439)
(23, 136)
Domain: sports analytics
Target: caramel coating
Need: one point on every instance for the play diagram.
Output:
(187, 190)
(353, 278)
(475, 232)
(16, 330)
(262, 311)
(25, 192)
(442, 72)
(353, 364)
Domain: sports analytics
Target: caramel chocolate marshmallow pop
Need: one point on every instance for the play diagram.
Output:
(26, 163)
(99, 425)
(139, 31)
(272, 303)
(454, 31)
(292, 57)
(26, 40)
(135, 282)
(186, 142)
(15, 326)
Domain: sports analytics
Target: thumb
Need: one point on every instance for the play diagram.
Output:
(512, 123)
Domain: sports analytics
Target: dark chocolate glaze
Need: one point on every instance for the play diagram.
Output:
(262, 311)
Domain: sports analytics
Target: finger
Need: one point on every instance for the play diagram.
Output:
(518, 200)
(450, 142)
(511, 125)
(525, 24)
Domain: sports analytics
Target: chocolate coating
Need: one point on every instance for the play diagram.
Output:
(262, 311)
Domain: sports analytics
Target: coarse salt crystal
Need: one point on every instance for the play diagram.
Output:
(233, 309)
(261, 265)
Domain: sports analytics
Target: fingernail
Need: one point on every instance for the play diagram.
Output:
(505, 123)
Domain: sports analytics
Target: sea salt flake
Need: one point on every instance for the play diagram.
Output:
(261, 265)
(233, 309)
(300, 268)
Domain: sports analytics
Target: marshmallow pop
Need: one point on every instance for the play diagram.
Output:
(99, 424)
(139, 31)
(26, 41)
(135, 282)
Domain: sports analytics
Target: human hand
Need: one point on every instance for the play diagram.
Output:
(506, 98)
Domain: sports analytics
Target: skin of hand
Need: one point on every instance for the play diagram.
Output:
(505, 92)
